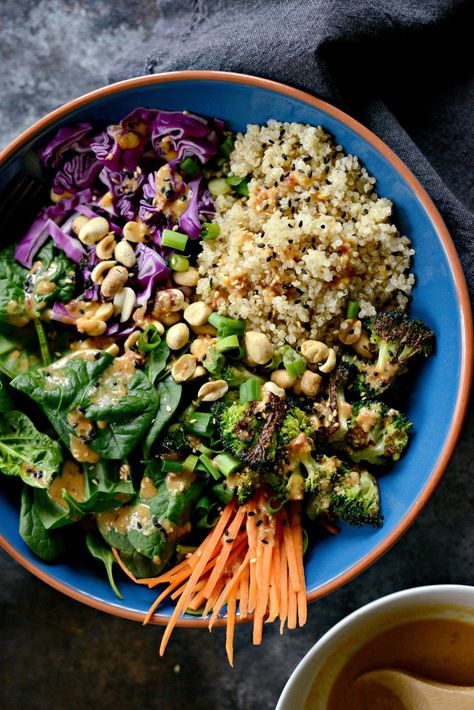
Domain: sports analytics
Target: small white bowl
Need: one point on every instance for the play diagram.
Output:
(441, 601)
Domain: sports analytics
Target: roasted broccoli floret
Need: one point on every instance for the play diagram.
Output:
(355, 498)
(295, 422)
(249, 431)
(234, 373)
(397, 339)
(376, 433)
(318, 487)
(174, 441)
(247, 484)
(237, 426)
(339, 383)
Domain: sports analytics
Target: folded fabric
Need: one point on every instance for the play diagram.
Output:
(387, 62)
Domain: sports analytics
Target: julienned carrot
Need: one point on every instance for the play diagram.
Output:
(123, 567)
(251, 561)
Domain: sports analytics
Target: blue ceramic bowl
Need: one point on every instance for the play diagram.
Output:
(440, 393)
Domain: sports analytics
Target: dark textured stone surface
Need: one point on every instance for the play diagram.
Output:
(56, 653)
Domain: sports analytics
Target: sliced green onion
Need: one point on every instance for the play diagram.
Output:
(233, 180)
(227, 464)
(174, 240)
(169, 466)
(352, 309)
(237, 354)
(200, 424)
(178, 262)
(226, 326)
(209, 466)
(218, 186)
(203, 449)
(240, 185)
(189, 166)
(210, 231)
(227, 146)
(293, 363)
(249, 391)
(149, 339)
(228, 343)
(190, 462)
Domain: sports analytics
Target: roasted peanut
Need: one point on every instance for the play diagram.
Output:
(283, 379)
(114, 282)
(310, 383)
(330, 363)
(190, 277)
(314, 351)
(200, 346)
(124, 303)
(184, 368)
(78, 222)
(124, 254)
(91, 326)
(362, 345)
(177, 336)
(169, 300)
(274, 389)
(197, 313)
(213, 390)
(350, 331)
(93, 230)
(99, 272)
(136, 232)
(258, 346)
(105, 248)
(105, 311)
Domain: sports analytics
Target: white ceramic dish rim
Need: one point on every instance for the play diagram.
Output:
(299, 683)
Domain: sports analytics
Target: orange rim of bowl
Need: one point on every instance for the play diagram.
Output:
(450, 251)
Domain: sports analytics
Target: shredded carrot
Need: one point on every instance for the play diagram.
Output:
(251, 561)
(123, 566)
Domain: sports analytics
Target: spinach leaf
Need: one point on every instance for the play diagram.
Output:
(157, 359)
(52, 277)
(47, 545)
(82, 489)
(103, 553)
(24, 294)
(18, 353)
(207, 513)
(169, 393)
(13, 308)
(152, 526)
(26, 452)
(94, 385)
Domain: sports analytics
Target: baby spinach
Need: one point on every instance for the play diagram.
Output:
(169, 394)
(13, 308)
(44, 543)
(24, 294)
(85, 383)
(105, 488)
(26, 452)
(103, 553)
(18, 353)
(207, 513)
(52, 277)
(157, 359)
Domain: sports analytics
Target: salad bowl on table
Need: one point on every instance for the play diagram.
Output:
(439, 398)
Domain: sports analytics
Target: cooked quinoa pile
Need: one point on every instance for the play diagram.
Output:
(312, 235)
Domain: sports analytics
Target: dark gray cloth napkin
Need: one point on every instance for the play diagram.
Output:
(389, 63)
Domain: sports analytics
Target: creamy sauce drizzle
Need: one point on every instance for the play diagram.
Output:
(73, 480)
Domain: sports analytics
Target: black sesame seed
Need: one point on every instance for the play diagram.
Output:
(265, 542)
(230, 539)
(300, 223)
(97, 356)
(265, 206)
(139, 526)
(251, 513)
(154, 521)
(260, 246)
(258, 523)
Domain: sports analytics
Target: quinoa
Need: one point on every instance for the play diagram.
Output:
(312, 235)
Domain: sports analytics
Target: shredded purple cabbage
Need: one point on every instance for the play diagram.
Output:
(120, 173)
